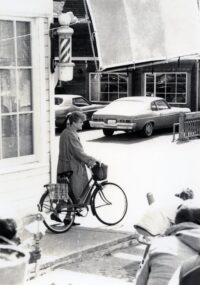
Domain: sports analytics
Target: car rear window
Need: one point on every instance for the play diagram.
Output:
(58, 101)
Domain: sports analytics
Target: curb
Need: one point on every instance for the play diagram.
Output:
(106, 246)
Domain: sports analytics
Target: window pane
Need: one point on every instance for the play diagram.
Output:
(160, 79)
(113, 96)
(122, 78)
(113, 78)
(181, 88)
(8, 91)
(94, 92)
(149, 89)
(171, 98)
(160, 89)
(149, 78)
(122, 95)
(170, 88)
(171, 78)
(26, 134)
(104, 87)
(181, 98)
(7, 50)
(25, 90)
(9, 136)
(23, 44)
(103, 77)
(181, 78)
(123, 87)
(94, 83)
(162, 95)
(104, 97)
(113, 87)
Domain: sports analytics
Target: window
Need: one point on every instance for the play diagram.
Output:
(16, 106)
(58, 101)
(161, 105)
(170, 86)
(80, 102)
(107, 87)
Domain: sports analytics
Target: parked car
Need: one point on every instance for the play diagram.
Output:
(67, 103)
(136, 114)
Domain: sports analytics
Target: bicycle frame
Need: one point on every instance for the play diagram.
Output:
(85, 193)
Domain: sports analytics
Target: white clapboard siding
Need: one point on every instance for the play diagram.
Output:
(22, 186)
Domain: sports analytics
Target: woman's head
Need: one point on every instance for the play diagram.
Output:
(76, 119)
(188, 213)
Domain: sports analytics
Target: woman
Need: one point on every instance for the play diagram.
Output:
(72, 155)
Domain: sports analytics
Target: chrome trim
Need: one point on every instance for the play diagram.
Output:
(116, 126)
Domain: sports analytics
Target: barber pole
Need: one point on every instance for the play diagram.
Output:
(65, 50)
(65, 66)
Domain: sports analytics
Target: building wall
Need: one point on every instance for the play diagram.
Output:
(138, 79)
(21, 184)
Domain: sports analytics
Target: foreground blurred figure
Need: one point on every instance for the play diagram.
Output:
(180, 243)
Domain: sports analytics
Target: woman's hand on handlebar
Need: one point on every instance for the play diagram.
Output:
(93, 163)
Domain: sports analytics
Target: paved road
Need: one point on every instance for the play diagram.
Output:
(144, 165)
(121, 264)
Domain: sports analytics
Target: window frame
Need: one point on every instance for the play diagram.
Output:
(99, 93)
(165, 73)
(37, 85)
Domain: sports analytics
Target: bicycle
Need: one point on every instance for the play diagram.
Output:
(107, 200)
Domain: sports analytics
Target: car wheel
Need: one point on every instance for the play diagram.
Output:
(108, 132)
(148, 130)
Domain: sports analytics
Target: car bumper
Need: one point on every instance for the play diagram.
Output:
(116, 126)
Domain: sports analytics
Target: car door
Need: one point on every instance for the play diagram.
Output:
(167, 116)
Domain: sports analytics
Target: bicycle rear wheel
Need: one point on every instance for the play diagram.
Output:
(58, 215)
(109, 203)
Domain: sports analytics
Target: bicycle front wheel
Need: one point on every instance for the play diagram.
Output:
(109, 203)
(58, 215)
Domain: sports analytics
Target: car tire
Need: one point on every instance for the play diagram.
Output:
(108, 132)
(148, 130)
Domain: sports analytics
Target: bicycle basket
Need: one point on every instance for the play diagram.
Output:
(100, 171)
(58, 191)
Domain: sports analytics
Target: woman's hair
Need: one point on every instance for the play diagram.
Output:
(75, 116)
(187, 214)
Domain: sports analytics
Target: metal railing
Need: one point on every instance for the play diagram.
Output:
(188, 126)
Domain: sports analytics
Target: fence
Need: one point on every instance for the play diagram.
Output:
(188, 126)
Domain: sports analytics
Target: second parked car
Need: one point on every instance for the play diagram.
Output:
(67, 103)
(136, 114)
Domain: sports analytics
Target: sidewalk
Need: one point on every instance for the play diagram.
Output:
(76, 243)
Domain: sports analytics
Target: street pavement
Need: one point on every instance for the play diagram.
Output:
(78, 242)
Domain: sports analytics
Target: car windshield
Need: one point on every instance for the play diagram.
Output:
(58, 101)
(129, 105)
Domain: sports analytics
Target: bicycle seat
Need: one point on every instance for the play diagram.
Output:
(65, 174)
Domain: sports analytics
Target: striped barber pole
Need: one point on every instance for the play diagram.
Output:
(65, 50)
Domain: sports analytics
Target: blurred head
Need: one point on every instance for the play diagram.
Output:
(185, 194)
(8, 228)
(76, 120)
(188, 213)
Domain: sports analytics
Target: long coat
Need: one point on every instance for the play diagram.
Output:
(72, 157)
